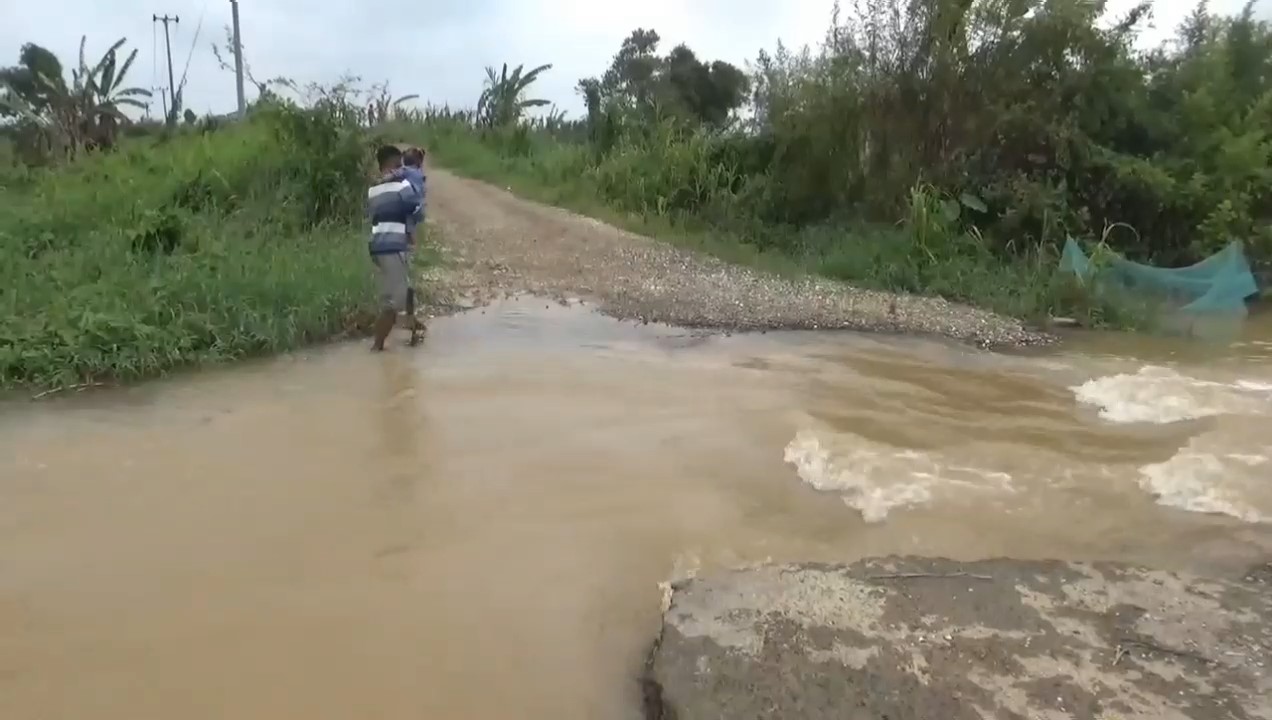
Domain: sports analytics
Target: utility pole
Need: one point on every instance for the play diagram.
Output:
(238, 62)
(172, 85)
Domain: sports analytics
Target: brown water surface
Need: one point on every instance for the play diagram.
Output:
(477, 528)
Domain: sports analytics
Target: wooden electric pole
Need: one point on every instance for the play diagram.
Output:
(172, 85)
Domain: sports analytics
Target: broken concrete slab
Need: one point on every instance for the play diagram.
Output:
(931, 639)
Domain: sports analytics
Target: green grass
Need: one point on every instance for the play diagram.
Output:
(951, 263)
(203, 249)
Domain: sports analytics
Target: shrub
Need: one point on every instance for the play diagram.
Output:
(203, 248)
(937, 146)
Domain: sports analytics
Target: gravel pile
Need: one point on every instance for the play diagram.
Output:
(496, 244)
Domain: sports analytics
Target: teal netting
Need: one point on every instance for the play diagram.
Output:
(1215, 288)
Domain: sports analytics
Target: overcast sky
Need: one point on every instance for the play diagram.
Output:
(438, 50)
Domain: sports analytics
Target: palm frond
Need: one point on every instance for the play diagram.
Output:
(106, 77)
(123, 71)
(533, 75)
(108, 57)
(130, 102)
(514, 79)
(82, 70)
(112, 111)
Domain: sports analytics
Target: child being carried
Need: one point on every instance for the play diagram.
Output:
(413, 172)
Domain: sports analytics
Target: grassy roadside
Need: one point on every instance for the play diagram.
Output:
(200, 249)
(900, 258)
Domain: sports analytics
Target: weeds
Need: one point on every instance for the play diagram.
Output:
(945, 147)
(935, 249)
(206, 248)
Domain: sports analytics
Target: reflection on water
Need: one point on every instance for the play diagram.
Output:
(396, 413)
(477, 528)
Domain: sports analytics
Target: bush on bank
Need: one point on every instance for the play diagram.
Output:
(947, 147)
(930, 250)
(198, 248)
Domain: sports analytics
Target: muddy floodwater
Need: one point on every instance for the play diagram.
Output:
(477, 528)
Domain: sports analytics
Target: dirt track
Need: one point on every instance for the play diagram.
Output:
(495, 244)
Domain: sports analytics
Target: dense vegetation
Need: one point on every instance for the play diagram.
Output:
(198, 245)
(49, 118)
(937, 146)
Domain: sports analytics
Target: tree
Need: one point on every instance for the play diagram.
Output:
(502, 102)
(709, 93)
(266, 89)
(634, 69)
(37, 68)
(86, 114)
(639, 80)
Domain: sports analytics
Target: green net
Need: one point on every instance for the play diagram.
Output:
(1205, 299)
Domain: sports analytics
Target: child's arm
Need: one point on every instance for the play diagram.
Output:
(413, 199)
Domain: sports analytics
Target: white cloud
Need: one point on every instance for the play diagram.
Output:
(439, 54)
(437, 50)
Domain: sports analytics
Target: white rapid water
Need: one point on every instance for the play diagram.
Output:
(1224, 467)
(1156, 394)
(1194, 437)
(875, 479)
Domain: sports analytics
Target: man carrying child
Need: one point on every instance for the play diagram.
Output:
(395, 208)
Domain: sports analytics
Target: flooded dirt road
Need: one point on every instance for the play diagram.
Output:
(477, 528)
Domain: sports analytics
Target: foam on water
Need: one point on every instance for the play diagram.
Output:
(1163, 395)
(875, 479)
(1224, 470)
(1205, 479)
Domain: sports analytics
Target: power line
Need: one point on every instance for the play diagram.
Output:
(198, 27)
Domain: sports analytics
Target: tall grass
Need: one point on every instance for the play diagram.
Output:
(683, 188)
(202, 248)
(949, 147)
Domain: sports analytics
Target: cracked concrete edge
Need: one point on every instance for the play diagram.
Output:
(1027, 639)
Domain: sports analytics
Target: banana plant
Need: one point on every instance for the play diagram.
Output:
(88, 112)
(102, 95)
(501, 102)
